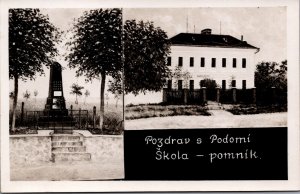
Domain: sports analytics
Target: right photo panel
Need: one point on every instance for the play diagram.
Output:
(205, 93)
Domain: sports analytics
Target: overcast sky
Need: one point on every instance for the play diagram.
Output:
(261, 27)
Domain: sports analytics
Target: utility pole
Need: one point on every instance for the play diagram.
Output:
(187, 23)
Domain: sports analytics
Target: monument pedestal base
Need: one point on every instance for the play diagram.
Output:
(57, 120)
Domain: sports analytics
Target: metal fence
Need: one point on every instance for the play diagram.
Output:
(200, 96)
(74, 119)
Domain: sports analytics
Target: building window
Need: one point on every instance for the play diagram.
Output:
(179, 84)
(244, 84)
(202, 62)
(213, 62)
(244, 63)
(191, 84)
(169, 84)
(234, 62)
(169, 61)
(233, 83)
(223, 62)
(180, 61)
(202, 84)
(191, 61)
(224, 84)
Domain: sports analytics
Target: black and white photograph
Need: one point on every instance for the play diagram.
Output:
(224, 67)
(149, 96)
(66, 116)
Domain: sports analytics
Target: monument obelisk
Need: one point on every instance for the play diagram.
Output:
(55, 104)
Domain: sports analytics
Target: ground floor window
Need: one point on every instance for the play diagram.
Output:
(244, 84)
(169, 84)
(179, 84)
(233, 83)
(224, 84)
(191, 84)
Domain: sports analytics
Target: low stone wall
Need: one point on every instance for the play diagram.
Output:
(105, 147)
(29, 149)
(35, 149)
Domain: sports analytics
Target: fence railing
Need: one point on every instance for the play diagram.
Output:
(265, 96)
(74, 119)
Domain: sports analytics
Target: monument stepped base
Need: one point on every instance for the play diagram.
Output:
(68, 148)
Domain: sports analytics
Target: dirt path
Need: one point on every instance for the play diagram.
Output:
(219, 119)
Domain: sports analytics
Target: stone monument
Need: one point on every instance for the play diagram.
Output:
(55, 113)
(55, 105)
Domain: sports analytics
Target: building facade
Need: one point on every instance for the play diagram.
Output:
(227, 60)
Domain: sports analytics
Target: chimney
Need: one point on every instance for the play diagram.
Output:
(206, 31)
(242, 38)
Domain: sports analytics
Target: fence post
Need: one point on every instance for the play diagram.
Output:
(79, 115)
(273, 95)
(94, 117)
(234, 95)
(22, 113)
(71, 110)
(87, 119)
(218, 94)
(185, 96)
(165, 98)
(204, 94)
(254, 95)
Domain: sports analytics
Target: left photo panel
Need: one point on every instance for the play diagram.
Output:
(65, 94)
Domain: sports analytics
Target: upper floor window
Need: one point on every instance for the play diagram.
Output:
(213, 62)
(191, 61)
(234, 62)
(223, 62)
(244, 63)
(169, 61)
(202, 62)
(180, 61)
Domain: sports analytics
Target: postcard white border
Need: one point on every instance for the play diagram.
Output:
(118, 186)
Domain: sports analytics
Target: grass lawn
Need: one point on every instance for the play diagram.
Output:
(250, 109)
(113, 116)
(147, 111)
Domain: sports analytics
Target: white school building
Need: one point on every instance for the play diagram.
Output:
(222, 58)
(227, 60)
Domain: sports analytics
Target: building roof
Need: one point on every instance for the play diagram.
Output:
(210, 40)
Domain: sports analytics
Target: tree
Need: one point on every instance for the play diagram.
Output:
(76, 90)
(271, 74)
(146, 49)
(86, 94)
(116, 88)
(106, 98)
(209, 84)
(178, 74)
(32, 41)
(95, 47)
(11, 95)
(35, 93)
(26, 95)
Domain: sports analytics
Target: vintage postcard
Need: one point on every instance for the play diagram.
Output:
(149, 96)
